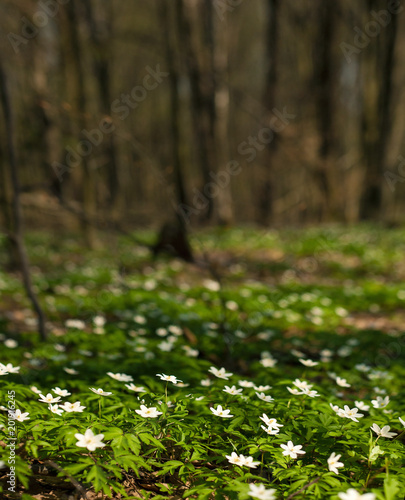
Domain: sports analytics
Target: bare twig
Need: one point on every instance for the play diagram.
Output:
(75, 483)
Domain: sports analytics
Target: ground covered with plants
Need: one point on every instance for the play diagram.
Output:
(272, 369)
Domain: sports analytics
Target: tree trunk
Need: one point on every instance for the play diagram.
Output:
(169, 17)
(5, 208)
(201, 91)
(46, 62)
(378, 67)
(18, 233)
(266, 190)
(324, 83)
(100, 32)
(220, 116)
(172, 237)
(89, 181)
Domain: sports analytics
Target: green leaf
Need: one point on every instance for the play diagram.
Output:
(120, 442)
(133, 443)
(145, 438)
(375, 453)
(175, 463)
(76, 468)
(236, 422)
(148, 439)
(98, 478)
(128, 462)
(112, 433)
(392, 487)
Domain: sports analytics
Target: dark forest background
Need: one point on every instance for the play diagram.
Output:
(274, 112)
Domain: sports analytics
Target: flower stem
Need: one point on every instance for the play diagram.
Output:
(261, 465)
(368, 478)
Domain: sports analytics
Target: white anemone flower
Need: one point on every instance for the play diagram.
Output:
(294, 391)
(71, 371)
(72, 407)
(270, 430)
(55, 409)
(308, 362)
(380, 402)
(17, 415)
(168, 378)
(263, 397)
(246, 383)
(233, 390)
(261, 388)
(270, 422)
(339, 411)
(48, 398)
(342, 382)
(148, 412)
(135, 388)
(241, 460)
(362, 406)
(352, 494)
(100, 392)
(9, 368)
(362, 367)
(61, 392)
(302, 384)
(311, 393)
(121, 377)
(334, 464)
(268, 362)
(219, 412)
(352, 413)
(89, 440)
(259, 491)
(383, 432)
(292, 450)
(220, 373)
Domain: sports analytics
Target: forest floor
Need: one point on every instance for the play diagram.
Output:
(252, 295)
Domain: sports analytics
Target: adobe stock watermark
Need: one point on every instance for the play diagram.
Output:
(222, 6)
(372, 29)
(392, 351)
(12, 440)
(392, 178)
(248, 149)
(121, 109)
(30, 29)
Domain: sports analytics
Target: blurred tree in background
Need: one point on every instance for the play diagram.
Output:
(220, 111)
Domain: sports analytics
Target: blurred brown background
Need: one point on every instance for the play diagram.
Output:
(231, 111)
